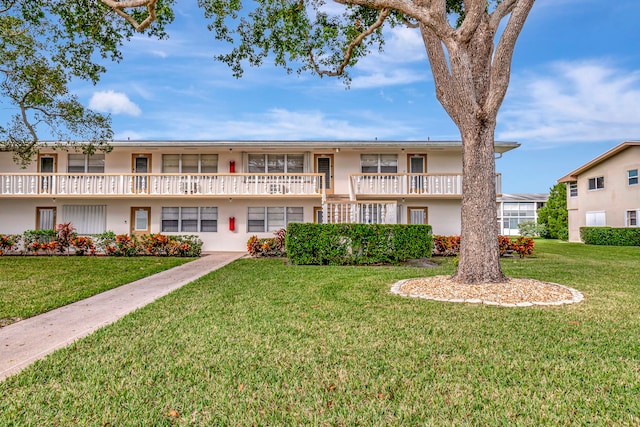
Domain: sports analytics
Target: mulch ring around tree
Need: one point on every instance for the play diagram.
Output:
(515, 292)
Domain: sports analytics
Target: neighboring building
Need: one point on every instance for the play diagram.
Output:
(605, 191)
(227, 191)
(516, 208)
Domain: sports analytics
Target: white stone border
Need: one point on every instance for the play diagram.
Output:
(577, 297)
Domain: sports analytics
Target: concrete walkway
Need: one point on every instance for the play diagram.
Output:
(26, 341)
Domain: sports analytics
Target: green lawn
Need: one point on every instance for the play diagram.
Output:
(35, 284)
(261, 343)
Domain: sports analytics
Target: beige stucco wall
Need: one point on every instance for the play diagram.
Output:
(614, 200)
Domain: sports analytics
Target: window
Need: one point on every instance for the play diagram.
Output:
(82, 163)
(596, 183)
(632, 219)
(45, 218)
(189, 163)
(189, 219)
(379, 163)
(596, 219)
(573, 189)
(632, 176)
(87, 219)
(275, 163)
(514, 213)
(272, 218)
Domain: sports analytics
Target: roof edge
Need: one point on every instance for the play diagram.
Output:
(573, 176)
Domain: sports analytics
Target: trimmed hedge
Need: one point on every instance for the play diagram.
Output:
(609, 236)
(357, 244)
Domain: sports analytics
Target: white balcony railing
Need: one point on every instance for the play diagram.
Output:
(360, 212)
(54, 184)
(406, 184)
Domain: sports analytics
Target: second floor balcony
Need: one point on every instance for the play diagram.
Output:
(409, 184)
(154, 185)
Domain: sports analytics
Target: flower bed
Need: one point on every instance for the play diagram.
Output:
(450, 245)
(65, 241)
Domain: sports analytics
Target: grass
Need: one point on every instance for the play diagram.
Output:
(261, 343)
(33, 285)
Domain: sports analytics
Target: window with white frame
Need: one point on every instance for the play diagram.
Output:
(263, 219)
(189, 219)
(190, 163)
(87, 219)
(379, 163)
(596, 219)
(573, 189)
(275, 163)
(84, 163)
(632, 177)
(596, 183)
(631, 218)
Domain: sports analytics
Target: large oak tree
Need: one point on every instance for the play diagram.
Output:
(469, 44)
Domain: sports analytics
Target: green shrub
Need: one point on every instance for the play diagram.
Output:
(532, 229)
(609, 236)
(554, 214)
(357, 244)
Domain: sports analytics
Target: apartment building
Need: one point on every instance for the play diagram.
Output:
(605, 191)
(227, 191)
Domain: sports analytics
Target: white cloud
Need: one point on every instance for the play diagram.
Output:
(574, 102)
(113, 102)
(279, 123)
(159, 53)
(403, 62)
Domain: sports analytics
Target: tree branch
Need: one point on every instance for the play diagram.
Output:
(501, 66)
(349, 52)
(441, 72)
(502, 10)
(473, 13)
(118, 6)
(9, 6)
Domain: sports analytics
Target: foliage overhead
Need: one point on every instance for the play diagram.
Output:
(311, 35)
(44, 46)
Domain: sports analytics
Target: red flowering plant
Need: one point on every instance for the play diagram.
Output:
(126, 245)
(83, 245)
(35, 241)
(504, 244)
(450, 245)
(267, 247)
(64, 233)
(446, 245)
(252, 245)
(47, 247)
(156, 244)
(8, 243)
(523, 246)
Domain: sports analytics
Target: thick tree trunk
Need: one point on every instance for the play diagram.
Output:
(479, 260)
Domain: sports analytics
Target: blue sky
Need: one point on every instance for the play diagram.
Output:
(574, 92)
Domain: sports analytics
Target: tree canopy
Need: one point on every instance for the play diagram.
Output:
(46, 44)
